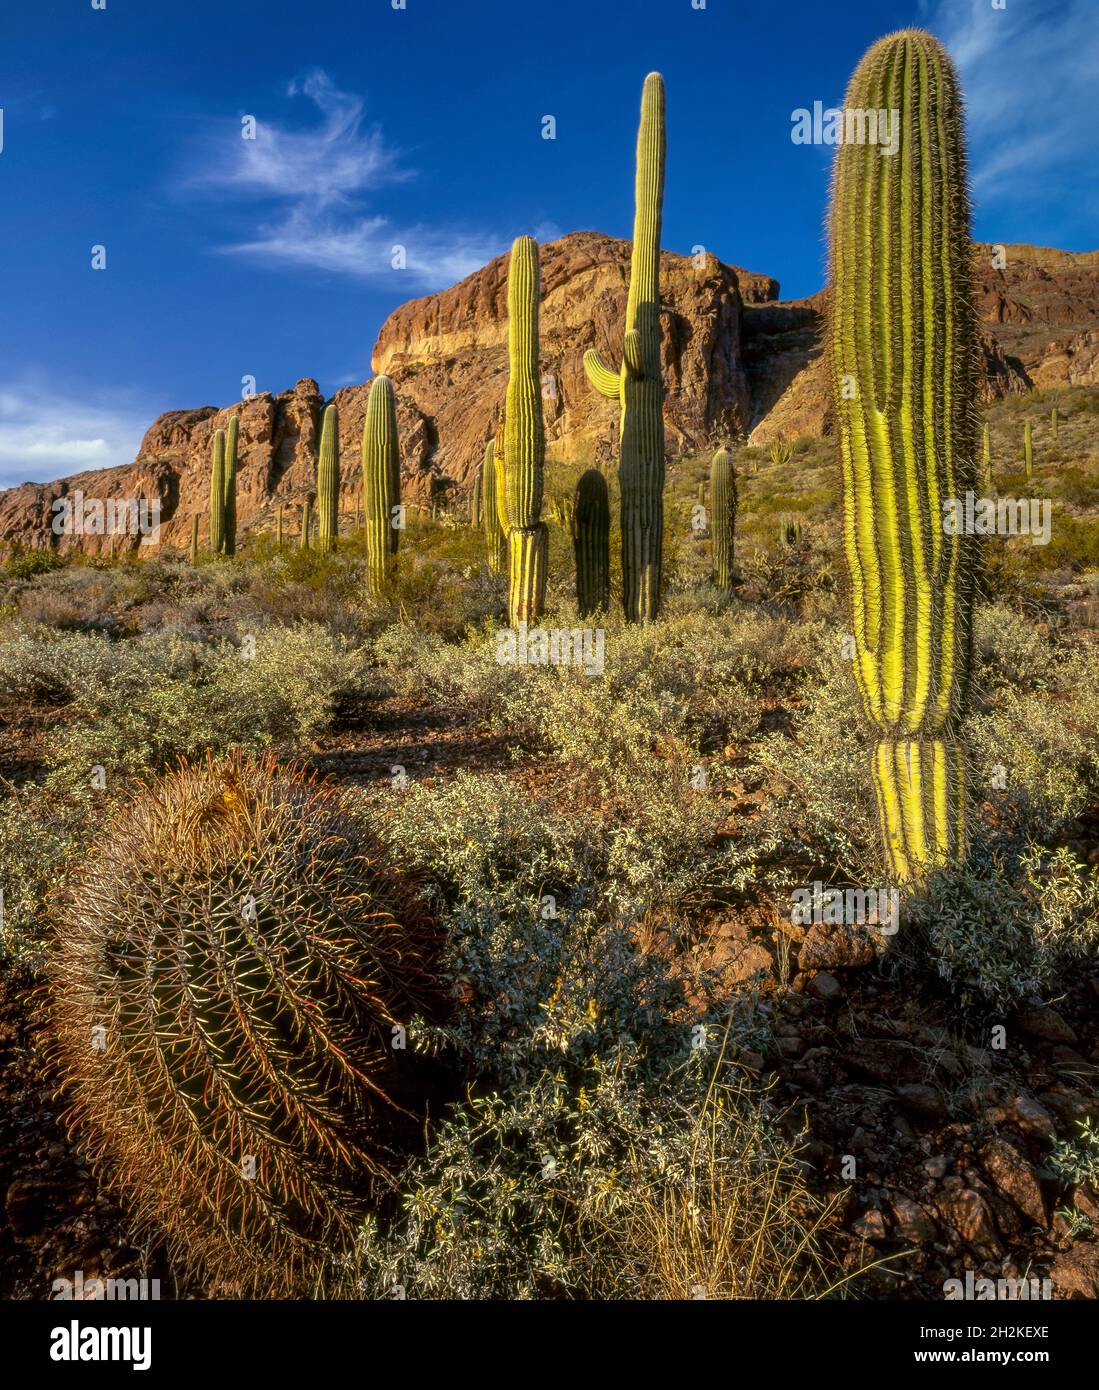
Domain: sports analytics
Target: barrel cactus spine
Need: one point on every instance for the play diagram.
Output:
(524, 440)
(591, 544)
(381, 482)
(637, 386)
(328, 480)
(217, 494)
(723, 518)
(908, 439)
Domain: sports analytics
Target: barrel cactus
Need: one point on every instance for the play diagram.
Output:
(723, 517)
(381, 481)
(217, 494)
(524, 439)
(637, 386)
(496, 539)
(904, 390)
(591, 544)
(234, 967)
(328, 480)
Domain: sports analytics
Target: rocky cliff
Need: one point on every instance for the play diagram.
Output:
(738, 362)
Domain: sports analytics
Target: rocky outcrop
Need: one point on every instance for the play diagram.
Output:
(737, 361)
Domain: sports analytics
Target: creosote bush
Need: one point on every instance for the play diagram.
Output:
(228, 974)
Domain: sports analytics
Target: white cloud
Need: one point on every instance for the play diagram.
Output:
(1029, 73)
(322, 178)
(44, 436)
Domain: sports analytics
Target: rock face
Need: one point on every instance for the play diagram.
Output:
(738, 362)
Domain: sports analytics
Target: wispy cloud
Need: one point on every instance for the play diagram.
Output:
(1029, 73)
(321, 181)
(44, 435)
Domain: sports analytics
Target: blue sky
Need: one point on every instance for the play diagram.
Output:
(423, 126)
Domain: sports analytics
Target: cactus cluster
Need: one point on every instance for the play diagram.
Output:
(591, 528)
(903, 336)
(217, 493)
(496, 539)
(328, 481)
(381, 482)
(723, 518)
(524, 440)
(233, 963)
(638, 386)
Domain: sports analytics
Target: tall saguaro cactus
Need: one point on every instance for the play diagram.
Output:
(306, 523)
(723, 517)
(476, 505)
(524, 440)
(381, 481)
(231, 437)
(591, 543)
(217, 494)
(637, 386)
(496, 539)
(903, 349)
(328, 480)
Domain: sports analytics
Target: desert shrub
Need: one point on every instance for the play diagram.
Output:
(1076, 1161)
(1009, 651)
(26, 564)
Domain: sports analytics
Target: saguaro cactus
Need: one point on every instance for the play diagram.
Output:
(496, 539)
(1028, 450)
(723, 517)
(217, 494)
(381, 481)
(637, 386)
(194, 539)
(903, 336)
(476, 505)
(328, 480)
(524, 440)
(306, 523)
(231, 436)
(591, 544)
(278, 526)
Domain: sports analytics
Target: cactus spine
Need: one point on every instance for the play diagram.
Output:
(496, 540)
(217, 494)
(903, 332)
(306, 523)
(637, 386)
(381, 481)
(723, 517)
(1028, 450)
(591, 544)
(524, 440)
(328, 480)
(230, 537)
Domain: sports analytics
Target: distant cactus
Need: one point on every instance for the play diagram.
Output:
(306, 523)
(791, 532)
(903, 330)
(381, 482)
(525, 448)
(496, 540)
(217, 494)
(476, 505)
(328, 481)
(278, 526)
(723, 518)
(781, 453)
(563, 513)
(194, 539)
(245, 949)
(230, 536)
(986, 459)
(1028, 450)
(637, 385)
(1054, 420)
(702, 494)
(591, 543)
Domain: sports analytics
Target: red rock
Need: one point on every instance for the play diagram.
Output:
(1013, 1176)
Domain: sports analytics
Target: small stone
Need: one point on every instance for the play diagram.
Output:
(1012, 1175)
(967, 1213)
(826, 987)
(1040, 1021)
(925, 1100)
(870, 1226)
(1031, 1117)
(911, 1222)
(935, 1167)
